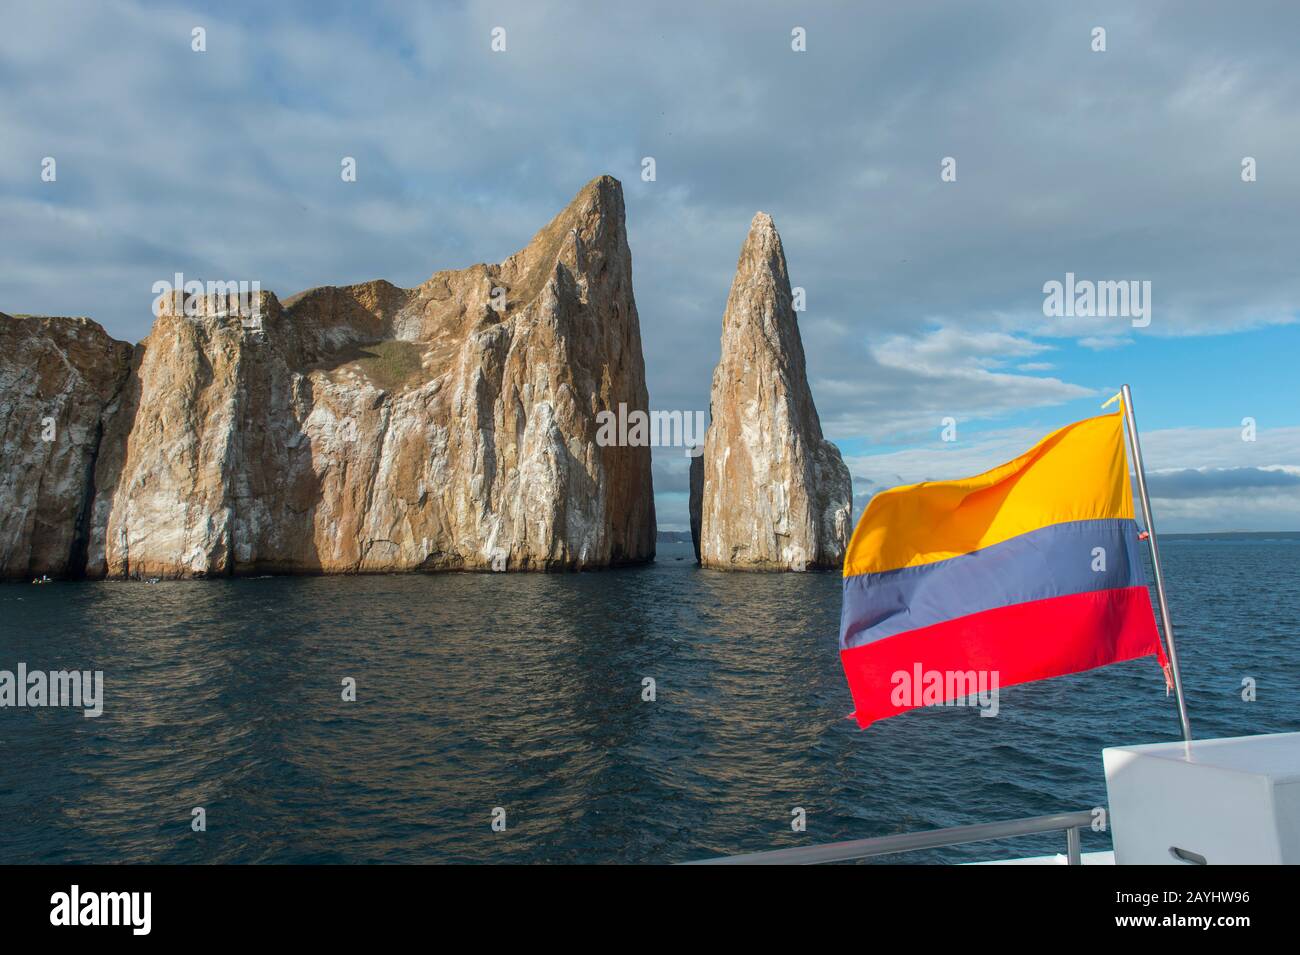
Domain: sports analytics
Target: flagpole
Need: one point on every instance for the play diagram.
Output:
(1131, 426)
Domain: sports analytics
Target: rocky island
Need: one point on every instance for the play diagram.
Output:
(769, 492)
(366, 428)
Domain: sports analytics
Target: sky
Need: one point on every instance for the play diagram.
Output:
(925, 295)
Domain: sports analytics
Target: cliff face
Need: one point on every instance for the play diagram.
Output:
(695, 500)
(776, 495)
(374, 428)
(60, 380)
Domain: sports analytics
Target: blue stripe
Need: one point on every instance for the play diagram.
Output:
(1052, 561)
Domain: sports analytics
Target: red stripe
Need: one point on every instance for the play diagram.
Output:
(1021, 642)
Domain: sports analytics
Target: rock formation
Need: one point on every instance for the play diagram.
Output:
(60, 380)
(373, 428)
(776, 495)
(695, 501)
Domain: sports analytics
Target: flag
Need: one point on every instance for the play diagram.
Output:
(1028, 571)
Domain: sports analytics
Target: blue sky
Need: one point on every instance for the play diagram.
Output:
(924, 297)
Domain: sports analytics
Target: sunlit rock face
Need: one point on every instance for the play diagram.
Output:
(374, 428)
(776, 495)
(60, 381)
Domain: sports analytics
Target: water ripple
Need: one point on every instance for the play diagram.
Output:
(524, 691)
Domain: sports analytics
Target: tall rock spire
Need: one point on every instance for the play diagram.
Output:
(776, 495)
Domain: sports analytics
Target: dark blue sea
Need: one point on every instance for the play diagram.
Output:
(524, 691)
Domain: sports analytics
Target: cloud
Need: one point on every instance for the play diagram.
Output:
(947, 349)
(672, 470)
(1213, 482)
(906, 385)
(191, 153)
(1174, 449)
(1104, 342)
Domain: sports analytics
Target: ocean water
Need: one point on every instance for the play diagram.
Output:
(477, 691)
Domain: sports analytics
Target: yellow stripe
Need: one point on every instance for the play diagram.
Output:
(1077, 473)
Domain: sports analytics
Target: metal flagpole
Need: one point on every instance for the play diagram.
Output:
(1131, 426)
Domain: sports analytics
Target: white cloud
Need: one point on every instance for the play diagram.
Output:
(945, 350)
(1104, 342)
(905, 385)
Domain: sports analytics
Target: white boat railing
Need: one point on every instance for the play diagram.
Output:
(1071, 823)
